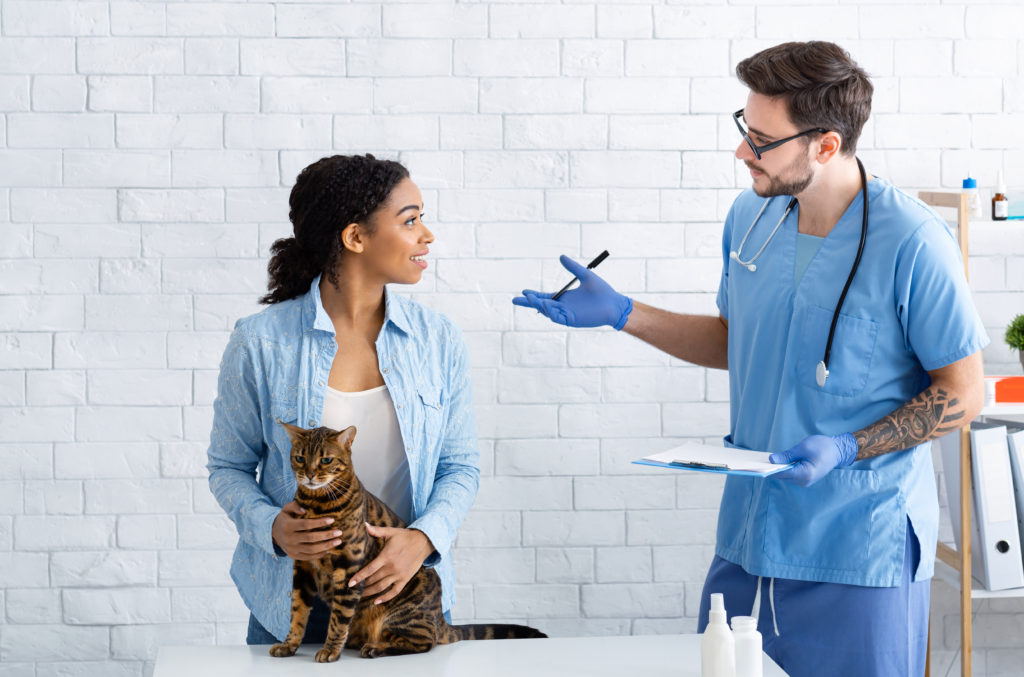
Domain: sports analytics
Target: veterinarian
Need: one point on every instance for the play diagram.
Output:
(850, 338)
(336, 347)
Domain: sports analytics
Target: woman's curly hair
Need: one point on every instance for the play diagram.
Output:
(328, 195)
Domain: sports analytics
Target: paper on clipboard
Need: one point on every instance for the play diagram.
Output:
(715, 458)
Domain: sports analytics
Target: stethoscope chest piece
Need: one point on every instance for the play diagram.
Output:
(821, 373)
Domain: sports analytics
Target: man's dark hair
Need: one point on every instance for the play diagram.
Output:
(821, 85)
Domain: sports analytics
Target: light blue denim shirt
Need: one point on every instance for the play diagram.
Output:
(275, 367)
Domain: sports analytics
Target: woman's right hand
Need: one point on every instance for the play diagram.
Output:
(303, 539)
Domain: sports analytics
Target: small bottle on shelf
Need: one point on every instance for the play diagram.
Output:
(970, 188)
(1000, 203)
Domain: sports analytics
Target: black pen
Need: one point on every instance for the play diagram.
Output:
(593, 264)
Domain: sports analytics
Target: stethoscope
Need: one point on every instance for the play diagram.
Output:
(821, 373)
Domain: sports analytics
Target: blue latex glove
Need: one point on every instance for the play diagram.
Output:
(815, 457)
(592, 304)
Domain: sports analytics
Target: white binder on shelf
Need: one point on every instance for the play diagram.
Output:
(998, 531)
(1015, 441)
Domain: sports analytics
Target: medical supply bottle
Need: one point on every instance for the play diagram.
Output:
(717, 648)
(970, 189)
(748, 646)
(1000, 203)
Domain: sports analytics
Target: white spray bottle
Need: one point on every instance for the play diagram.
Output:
(717, 646)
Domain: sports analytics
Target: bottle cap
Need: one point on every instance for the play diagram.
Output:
(970, 183)
(744, 623)
(716, 614)
(717, 602)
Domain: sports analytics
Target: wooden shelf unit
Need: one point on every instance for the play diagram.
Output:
(954, 566)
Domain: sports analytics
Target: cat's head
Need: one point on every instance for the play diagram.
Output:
(321, 456)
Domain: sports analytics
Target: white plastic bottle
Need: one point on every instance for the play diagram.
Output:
(717, 648)
(748, 646)
(970, 187)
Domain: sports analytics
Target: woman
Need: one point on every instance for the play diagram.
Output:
(336, 348)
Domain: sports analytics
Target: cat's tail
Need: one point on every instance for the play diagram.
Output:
(492, 631)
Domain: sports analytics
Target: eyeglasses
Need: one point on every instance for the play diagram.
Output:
(758, 150)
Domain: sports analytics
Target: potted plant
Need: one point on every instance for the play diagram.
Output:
(1015, 336)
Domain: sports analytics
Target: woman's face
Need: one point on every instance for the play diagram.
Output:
(398, 246)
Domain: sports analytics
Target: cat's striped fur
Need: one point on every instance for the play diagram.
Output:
(412, 622)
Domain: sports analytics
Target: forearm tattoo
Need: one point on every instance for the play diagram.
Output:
(933, 413)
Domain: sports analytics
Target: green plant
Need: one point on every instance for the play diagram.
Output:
(1015, 333)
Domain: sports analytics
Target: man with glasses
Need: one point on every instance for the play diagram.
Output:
(834, 555)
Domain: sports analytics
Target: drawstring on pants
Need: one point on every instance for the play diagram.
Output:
(771, 600)
(756, 611)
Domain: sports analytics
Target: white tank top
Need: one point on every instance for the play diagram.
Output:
(378, 453)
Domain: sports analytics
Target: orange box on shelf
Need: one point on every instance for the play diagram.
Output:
(1004, 389)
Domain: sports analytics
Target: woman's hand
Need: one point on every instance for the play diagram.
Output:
(303, 539)
(402, 556)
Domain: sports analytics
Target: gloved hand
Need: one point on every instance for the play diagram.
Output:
(815, 456)
(592, 304)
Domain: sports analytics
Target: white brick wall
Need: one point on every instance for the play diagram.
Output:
(146, 154)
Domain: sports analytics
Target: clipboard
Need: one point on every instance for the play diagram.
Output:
(716, 458)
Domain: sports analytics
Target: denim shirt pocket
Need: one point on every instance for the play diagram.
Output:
(282, 411)
(429, 399)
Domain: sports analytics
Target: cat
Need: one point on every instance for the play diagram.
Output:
(412, 622)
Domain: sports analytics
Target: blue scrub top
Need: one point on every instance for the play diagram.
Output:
(908, 311)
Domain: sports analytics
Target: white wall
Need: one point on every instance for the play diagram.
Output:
(148, 150)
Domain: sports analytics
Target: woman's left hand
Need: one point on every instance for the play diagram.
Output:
(403, 554)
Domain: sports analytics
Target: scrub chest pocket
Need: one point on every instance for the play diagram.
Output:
(852, 349)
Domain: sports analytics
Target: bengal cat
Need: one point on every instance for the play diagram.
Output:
(412, 622)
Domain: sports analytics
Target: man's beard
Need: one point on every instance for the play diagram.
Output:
(777, 186)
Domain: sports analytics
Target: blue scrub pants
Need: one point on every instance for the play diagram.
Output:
(830, 628)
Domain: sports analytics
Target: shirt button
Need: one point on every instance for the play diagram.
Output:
(320, 382)
(312, 422)
(385, 370)
(408, 448)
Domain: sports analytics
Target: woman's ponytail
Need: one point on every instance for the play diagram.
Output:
(292, 268)
(328, 195)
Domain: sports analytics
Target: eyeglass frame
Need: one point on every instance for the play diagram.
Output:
(758, 150)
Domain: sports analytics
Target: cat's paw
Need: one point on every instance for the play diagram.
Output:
(283, 650)
(371, 650)
(327, 655)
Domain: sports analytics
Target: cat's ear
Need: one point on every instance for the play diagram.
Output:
(294, 431)
(344, 438)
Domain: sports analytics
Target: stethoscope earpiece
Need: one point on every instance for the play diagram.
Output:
(736, 257)
(749, 264)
